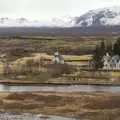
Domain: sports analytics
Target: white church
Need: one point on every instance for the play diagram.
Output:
(57, 58)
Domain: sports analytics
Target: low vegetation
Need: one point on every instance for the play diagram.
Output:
(100, 106)
(39, 44)
(25, 58)
(35, 69)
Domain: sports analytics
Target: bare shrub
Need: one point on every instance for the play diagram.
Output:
(59, 69)
(18, 52)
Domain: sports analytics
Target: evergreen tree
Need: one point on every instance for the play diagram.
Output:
(109, 47)
(98, 55)
(102, 49)
(116, 49)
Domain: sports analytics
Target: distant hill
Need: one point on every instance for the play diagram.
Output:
(47, 31)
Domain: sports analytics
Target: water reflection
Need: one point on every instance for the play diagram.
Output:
(7, 116)
(71, 88)
(5, 87)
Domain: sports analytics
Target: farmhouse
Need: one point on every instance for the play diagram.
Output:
(57, 58)
(111, 62)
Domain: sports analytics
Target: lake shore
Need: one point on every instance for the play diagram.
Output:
(100, 106)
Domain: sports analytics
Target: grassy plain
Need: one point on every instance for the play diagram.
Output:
(100, 106)
(75, 50)
(66, 45)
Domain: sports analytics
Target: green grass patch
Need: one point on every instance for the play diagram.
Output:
(76, 57)
(115, 73)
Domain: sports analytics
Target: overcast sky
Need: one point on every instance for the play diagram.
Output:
(48, 9)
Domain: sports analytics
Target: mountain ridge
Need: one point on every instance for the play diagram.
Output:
(107, 16)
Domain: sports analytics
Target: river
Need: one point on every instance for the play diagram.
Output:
(66, 88)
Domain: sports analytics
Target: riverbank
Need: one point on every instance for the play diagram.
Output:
(100, 106)
(59, 82)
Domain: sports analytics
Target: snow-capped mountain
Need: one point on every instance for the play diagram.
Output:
(23, 22)
(109, 16)
(9, 21)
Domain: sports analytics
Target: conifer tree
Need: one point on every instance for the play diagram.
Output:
(98, 55)
(109, 49)
(116, 49)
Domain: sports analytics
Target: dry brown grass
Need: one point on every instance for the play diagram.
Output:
(100, 106)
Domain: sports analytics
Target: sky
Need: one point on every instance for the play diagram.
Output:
(48, 9)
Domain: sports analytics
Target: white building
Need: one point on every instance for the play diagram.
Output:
(111, 62)
(57, 58)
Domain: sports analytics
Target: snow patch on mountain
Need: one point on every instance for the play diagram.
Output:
(102, 16)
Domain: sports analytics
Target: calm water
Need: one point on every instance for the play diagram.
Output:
(67, 88)
(7, 116)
